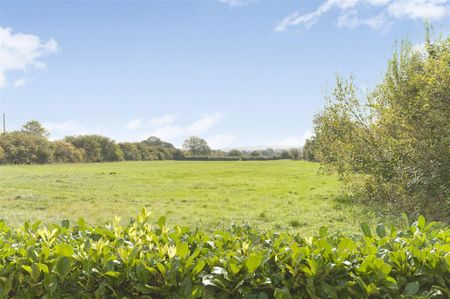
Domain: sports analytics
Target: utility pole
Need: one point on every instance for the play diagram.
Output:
(4, 123)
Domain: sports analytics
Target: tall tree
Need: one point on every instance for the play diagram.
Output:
(393, 145)
(33, 127)
(196, 146)
(309, 149)
(294, 153)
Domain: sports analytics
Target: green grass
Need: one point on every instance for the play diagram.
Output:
(279, 195)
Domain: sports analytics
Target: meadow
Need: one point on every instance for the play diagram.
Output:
(277, 195)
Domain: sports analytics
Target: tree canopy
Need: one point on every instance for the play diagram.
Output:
(196, 146)
(33, 127)
(393, 144)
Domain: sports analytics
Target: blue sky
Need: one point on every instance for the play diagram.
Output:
(238, 73)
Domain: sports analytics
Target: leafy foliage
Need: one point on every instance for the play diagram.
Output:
(24, 148)
(393, 146)
(295, 153)
(150, 260)
(65, 152)
(97, 148)
(31, 145)
(33, 127)
(309, 149)
(155, 141)
(196, 146)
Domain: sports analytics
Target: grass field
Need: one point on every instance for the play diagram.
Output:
(280, 195)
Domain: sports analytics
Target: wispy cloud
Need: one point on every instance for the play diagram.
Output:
(19, 82)
(420, 9)
(168, 128)
(295, 141)
(351, 20)
(166, 119)
(309, 19)
(139, 123)
(386, 10)
(21, 52)
(134, 124)
(221, 141)
(71, 127)
(201, 126)
(237, 2)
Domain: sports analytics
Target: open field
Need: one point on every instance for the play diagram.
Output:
(288, 195)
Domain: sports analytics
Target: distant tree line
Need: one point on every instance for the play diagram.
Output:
(31, 145)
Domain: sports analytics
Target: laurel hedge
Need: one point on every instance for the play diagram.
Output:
(148, 259)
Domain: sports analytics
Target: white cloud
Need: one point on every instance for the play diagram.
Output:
(204, 123)
(19, 82)
(378, 2)
(309, 19)
(71, 127)
(220, 141)
(134, 124)
(21, 52)
(351, 20)
(139, 123)
(198, 127)
(237, 2)
(349, 10)
(162, 127)
(419, 9)
(295, 141)
(165, 127)
(163, 120)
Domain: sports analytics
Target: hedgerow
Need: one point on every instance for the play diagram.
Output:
(210, 158)
(148, 259)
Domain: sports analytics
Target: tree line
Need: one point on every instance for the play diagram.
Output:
(31, 145)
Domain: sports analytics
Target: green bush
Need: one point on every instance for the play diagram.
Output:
(391, 146)
(150, 260)
(23, 148)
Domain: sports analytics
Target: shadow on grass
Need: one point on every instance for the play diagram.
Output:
(372, 211)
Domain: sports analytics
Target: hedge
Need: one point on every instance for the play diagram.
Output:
(148, 259)
(209, 158)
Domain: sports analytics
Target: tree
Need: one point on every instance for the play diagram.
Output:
(393, 145)
(65, 152)
(268, 152)
(294, 153)
(2, 154)
(255, 154)
(33, 127)
(196, 146)
(24, 148)
(285, 155)
(309, 149)
(234, 153)
(97, 148)
(155, 141)
(130, 151)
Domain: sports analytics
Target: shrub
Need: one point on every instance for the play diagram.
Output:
(285, 155)
(66, 152)
(97, 148)
(234, 153)
(24, 148)
(309, 149)
(2, 154)
(151, 260)
(392, 146)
